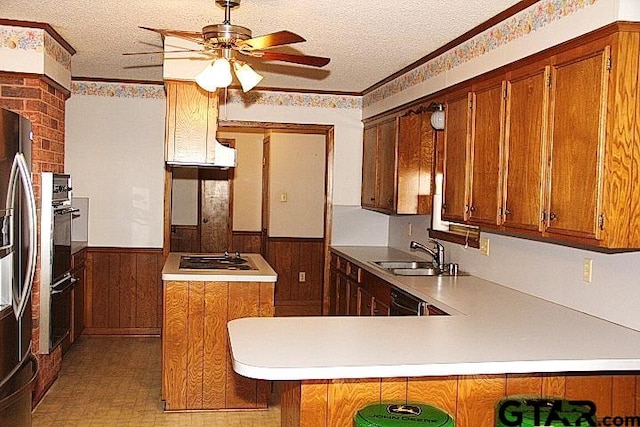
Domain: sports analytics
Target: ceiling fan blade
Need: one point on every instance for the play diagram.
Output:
(189, 35)
(314, 61)
(271, 40)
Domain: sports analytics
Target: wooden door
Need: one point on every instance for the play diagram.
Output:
(456, 143)
(386, 177)
(369, 148)
(342, 295)
(524, 149)
(577, 121)
(215, 207)
(486, 154)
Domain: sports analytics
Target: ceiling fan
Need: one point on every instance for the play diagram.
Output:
(223, 41)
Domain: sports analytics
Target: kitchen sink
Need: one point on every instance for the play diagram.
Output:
(415, 268)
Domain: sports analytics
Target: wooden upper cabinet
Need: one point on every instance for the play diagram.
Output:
(416, 163)
(370, 143)
(191, 121)
(386, 182)
(524, 148)
(456, 147)
(577, 119)
(397, 164)
(487, 119)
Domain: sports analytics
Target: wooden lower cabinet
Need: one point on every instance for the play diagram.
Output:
(470, 399)
(197, 371)
(354, 291)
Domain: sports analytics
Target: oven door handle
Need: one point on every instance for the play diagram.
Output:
(415, 310)
(65, 211)
(63, 284)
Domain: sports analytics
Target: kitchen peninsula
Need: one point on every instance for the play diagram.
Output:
(201, 294)
(497, 342)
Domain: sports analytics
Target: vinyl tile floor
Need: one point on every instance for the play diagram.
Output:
(116, 381)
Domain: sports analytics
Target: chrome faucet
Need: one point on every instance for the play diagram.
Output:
(436, 253)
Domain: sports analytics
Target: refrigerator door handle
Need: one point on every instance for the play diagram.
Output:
(20, 301)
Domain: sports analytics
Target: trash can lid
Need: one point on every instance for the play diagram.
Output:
(402, 414)
(547, 412)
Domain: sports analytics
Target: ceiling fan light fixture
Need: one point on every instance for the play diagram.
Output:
(246, 75)
(216, 75)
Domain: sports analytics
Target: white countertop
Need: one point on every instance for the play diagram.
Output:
(492, 329)
(262, 273)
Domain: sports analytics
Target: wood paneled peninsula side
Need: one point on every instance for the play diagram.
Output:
(496, 342)
(197, 373)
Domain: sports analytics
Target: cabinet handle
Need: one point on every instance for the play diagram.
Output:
(466, 208)
(206, 220)
(552, 216)
(472, 208)
(507, 212)
(373, 199)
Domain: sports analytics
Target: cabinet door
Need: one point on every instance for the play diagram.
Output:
(366, 302)
(577, 129)
(380, 308)
(342, 295)
(191, 120)
(369, 148)
(524, 158)
(386, 179)
(486, 153)
(456, 133)
(353, 304)
(415, 163)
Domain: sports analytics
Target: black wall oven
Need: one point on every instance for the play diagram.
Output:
(56, 281)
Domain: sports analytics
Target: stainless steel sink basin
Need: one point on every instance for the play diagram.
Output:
(414, 268)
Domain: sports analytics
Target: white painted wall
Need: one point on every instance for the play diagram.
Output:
(296, 174)
(247, 181)
(184, 196)
(114, 153)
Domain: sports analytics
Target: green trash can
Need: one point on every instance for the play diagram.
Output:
(402, 415)
(518, 411)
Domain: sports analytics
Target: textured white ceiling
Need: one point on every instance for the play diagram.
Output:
(367, 40)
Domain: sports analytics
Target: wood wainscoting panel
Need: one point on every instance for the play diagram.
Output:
(246, 242)
(124, 291)
(174, 345)
(471, 400)
(289, 257)
(185, 238)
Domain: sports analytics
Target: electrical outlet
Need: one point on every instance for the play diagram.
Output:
(302, 276)
(484, 246)
(587, 269)
(283, 197)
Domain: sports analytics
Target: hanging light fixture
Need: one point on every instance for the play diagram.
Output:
(246, 75)
(218, 74)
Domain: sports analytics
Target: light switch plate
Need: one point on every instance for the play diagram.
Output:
(587, 269)
(484, 246)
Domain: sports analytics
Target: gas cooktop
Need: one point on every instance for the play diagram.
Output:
(215, 262)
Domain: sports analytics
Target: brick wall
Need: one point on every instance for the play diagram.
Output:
(44, 105)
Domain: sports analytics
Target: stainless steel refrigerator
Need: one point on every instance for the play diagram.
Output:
(18, 251)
